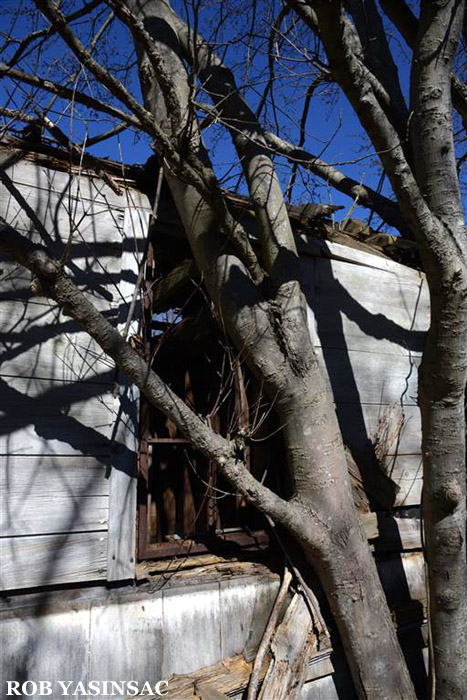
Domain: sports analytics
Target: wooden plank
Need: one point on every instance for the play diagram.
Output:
(293, 641)
(55, 218)
(389, 534)
(37, 340)
(369, 378)
(344, 253)
(43, 495)
(44, 417)
(403, 577)
(58, 514)
(45, 559)
(36, 175)
(359, 422)
(126, 640)
(350, 314)
(193, 637)
(123, 477)
(407, 472)
(49, 475)
(123, 486)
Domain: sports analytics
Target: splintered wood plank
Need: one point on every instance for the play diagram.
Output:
(44, 417)
(293, 642)
(45, 559)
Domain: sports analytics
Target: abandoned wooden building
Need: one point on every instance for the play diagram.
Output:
(123, 553)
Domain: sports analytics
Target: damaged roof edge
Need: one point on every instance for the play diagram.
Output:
(315, 234)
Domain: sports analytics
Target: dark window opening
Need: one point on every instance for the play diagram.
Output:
(184, 505)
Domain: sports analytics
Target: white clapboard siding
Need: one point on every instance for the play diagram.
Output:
(43, 559)
(38, 340)
(54, 514)
(44, 417)
(62, 431)
(56, 219)
(52, 495)
(359, 308)
(34, 174)
(95, 272)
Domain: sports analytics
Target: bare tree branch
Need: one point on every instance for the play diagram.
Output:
(405, 21)
(51, 281)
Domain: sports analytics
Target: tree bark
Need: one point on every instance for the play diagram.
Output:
(271, 332)
(430, 202)
(443, 373)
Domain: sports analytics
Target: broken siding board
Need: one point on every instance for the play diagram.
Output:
(29, 562)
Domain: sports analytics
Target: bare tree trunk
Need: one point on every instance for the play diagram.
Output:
(429, 199)
(271, 332)
(443, 374)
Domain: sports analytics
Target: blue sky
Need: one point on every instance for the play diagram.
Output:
(332, 130)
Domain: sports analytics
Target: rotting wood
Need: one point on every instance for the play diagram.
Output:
(388, 431)
(293, 642)
(206, 691)
(267, 636)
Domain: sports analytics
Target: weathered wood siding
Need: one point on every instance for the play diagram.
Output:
(67, 444)
(369, 316)
(177, 623)
(63, 432)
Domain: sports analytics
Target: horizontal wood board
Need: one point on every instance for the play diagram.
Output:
(43, 559)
